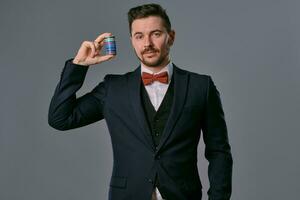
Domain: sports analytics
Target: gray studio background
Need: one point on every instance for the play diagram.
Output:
(250, 48)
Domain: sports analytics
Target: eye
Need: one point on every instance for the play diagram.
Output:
(138, 36)
(157, 34)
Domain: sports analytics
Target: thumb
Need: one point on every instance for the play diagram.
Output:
(100, 59)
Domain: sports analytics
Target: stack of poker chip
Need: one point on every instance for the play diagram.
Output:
(110, 45)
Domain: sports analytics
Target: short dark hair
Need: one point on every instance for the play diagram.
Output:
(148, 10)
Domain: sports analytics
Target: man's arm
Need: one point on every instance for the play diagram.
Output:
(68, 112)
(217, 148)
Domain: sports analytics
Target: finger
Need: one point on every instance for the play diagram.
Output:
(90, 45)
(100, 59)
(101, 37)
(101, 43)
(98, 46)
(97, 52)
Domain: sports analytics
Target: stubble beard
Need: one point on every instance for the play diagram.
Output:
(155, 63)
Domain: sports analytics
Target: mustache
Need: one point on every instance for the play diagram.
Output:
(149, 49)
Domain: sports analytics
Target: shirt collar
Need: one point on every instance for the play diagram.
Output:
(168, 68)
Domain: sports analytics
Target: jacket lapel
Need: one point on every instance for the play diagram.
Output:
(180, 89)
(134, 88)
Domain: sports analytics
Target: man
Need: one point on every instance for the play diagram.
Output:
(154, 114)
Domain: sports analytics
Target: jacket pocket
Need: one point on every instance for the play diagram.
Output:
(118, 182)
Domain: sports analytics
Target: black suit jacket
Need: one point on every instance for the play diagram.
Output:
(196, 106)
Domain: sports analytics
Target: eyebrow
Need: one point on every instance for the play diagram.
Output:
(156, 30)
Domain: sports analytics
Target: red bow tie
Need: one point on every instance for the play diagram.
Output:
(150, 78)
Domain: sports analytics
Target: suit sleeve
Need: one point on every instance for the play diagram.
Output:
(68, 112)
(217, 148)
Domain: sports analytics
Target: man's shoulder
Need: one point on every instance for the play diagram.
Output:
(119, 77)
(116, 82)
(192, 74)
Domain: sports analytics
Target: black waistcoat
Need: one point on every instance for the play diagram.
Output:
(157, 119)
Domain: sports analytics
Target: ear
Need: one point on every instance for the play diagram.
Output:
(171, 37)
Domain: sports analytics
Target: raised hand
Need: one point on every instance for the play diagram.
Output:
(89, 52)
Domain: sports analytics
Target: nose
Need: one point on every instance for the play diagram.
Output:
(147, 41)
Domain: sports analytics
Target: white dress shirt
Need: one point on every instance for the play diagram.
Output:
(156, 92)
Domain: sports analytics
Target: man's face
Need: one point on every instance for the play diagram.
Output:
(151, 41)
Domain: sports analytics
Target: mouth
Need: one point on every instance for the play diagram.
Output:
(150, 53)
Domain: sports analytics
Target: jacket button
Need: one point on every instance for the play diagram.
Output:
(150, 181)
